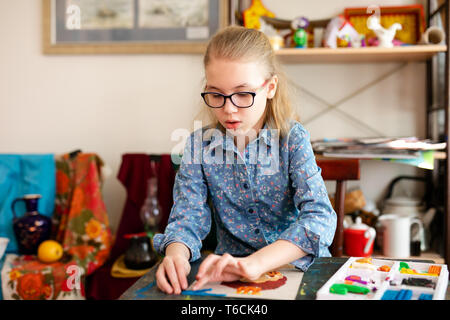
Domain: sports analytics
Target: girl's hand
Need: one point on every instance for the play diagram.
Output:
(225, 268)
(171, 276)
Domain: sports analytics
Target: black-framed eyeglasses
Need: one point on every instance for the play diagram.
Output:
(243, 99)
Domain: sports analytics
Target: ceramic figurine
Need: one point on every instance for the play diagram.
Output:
(385, 36)
(340, 28)
(299, 24)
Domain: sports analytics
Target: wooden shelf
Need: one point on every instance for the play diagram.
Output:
(359, 55)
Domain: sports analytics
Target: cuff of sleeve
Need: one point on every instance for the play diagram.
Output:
(161, 241)
(306, 240)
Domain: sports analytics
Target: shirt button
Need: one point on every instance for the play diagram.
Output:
(257, 231)
(251, 210)
(245, 186)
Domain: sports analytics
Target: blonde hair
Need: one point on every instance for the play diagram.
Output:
(239, 43)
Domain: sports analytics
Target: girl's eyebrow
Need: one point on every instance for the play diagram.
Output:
(244, 85)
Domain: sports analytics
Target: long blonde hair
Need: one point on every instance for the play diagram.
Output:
(239, 43)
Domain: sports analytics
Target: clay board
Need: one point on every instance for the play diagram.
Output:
(282, 284)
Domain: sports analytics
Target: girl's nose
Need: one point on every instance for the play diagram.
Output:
(229, 107)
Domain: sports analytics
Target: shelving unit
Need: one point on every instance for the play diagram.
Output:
(439, 179)
(360, 55)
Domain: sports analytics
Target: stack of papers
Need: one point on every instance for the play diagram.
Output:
(376, 148)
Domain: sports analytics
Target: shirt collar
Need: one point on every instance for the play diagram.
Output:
(227, 142)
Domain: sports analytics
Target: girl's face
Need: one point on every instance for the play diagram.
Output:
(227, 77)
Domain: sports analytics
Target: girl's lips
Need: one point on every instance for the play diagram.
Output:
(232, 124)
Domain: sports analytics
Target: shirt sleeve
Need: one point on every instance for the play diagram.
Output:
(190, 217)
(316, 223)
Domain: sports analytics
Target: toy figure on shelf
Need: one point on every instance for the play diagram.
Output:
(276, 40)
(253, 13)
(300, 37)
(341, 29)
(385, 36)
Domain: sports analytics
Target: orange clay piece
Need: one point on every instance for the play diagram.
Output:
(384, 268)
(273, 273)
(248, 290)
(364, 260)
(434, 270)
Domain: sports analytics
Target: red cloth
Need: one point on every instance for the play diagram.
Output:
(134, 172)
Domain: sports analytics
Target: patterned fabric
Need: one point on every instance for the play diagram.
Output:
(81, 221)
(277, 194)
(80, 224)
(25, 278)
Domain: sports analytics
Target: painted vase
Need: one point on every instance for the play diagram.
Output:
(33, 228)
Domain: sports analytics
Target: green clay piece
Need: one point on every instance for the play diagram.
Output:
(404, 265)
(341, 288)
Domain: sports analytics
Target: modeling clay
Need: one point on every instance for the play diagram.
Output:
(419, 282)
(341, 288)
(426, 296)
(364, 260)
(365, 265)
(434, 270)
(248, 290)
(414, 272)
(403, 265)
(397, 295)
(355, 279)
(384, 268)
(203, 292)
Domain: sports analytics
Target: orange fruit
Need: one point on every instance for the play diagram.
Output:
(50, 251)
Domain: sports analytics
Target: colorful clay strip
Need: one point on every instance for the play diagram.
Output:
(404, 294)
(353, 278)
(342, 288)
(147, 287)
(435, 270)
(419, 282)
(203, 292)
(426, 296)
(414, 272)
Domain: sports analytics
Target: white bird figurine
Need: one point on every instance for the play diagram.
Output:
(385, 36)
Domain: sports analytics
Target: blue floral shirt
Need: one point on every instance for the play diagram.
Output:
(273, 190)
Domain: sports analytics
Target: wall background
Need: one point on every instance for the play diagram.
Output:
(115, 104)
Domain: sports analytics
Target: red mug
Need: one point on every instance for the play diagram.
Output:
(359, 239)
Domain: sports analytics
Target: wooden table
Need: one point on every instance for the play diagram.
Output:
(316, 276)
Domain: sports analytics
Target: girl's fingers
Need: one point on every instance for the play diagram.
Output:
(161, 280)
(204, 267)
(243, 269)
(223, 262)
(172, 275)
(181, 275)
(200, 282)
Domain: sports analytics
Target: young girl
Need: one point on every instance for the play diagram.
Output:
(257, 166)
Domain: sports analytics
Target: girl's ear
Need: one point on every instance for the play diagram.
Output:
(272, 87)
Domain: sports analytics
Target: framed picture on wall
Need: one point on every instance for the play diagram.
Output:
(131, 26)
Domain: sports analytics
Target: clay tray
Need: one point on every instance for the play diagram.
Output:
(379, 279)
